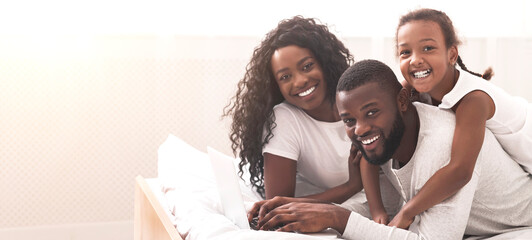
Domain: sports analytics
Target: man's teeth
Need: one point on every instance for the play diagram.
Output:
(422, 74)
(368, 141)
(309, 91)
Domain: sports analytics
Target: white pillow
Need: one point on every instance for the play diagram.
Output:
(178, 162)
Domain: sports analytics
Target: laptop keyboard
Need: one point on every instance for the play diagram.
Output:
(255, 221)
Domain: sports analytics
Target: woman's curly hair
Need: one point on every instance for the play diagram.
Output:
(257, 93)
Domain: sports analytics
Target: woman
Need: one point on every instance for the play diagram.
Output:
(286, 126)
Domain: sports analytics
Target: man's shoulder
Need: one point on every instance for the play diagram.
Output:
(434, 117)
(436, 132)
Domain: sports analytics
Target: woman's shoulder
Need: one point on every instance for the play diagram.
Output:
(287, 110)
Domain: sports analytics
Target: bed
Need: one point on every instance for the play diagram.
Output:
(152, 220)
(183, 202)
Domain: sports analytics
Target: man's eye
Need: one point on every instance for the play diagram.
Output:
(371, 113)
(348, 121)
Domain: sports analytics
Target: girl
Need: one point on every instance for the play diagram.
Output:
(285, 123)
(428, 51)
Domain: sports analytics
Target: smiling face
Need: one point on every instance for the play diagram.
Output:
(372, 121)
(300, 79)
(425, 61)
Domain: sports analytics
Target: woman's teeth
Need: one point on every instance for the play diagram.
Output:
(422, 74)
(309, 91)
(368, 141)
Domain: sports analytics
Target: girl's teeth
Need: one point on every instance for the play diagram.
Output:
(422, 74)
(309, 91)
(368, 141)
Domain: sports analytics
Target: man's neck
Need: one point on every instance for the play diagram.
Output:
(408, 144)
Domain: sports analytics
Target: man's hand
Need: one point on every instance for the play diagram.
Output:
(261, 208)
(306, 217)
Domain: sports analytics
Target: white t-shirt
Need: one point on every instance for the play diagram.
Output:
(512, 121)
(497, 199)
(321, 149)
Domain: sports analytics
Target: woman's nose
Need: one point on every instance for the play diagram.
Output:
(300, 80)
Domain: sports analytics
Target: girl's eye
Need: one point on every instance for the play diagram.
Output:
(428, 48)
(404, 52)
(308, 66)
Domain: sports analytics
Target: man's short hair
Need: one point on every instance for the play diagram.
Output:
(368, 71)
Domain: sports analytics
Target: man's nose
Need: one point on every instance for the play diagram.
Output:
(361, 128)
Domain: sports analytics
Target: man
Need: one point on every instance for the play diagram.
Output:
(382, 121)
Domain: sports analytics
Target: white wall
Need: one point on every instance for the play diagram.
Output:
(89, 92)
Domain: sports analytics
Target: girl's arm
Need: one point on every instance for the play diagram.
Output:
(370, 180)
(280, 179)
(471, 114)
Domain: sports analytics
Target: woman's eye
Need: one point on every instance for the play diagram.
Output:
(307, 66)
(284, 77)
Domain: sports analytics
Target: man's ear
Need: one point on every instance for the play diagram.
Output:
(453, 54)
(403, 100)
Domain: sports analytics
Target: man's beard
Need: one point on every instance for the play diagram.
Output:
(391, 143)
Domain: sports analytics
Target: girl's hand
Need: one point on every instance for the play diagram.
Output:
(381, 218)
(401, 221)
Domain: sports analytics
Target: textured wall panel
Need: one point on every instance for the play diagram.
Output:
(80, 117)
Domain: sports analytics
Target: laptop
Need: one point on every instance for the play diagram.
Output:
(228, 188)
(231, 196)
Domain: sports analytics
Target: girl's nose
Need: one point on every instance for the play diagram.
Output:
(416, 60)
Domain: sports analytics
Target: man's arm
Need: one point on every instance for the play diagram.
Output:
(446, 220)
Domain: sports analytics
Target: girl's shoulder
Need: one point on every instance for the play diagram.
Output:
(466, 84)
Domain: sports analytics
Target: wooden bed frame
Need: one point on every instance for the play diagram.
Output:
(151, 221)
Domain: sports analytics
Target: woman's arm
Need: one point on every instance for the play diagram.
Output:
(280, 179)
(342, 192)
(471, 115)
(279, 176)
(370, 180)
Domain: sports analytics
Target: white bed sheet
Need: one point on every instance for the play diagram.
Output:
(186, 187)
(187, 183)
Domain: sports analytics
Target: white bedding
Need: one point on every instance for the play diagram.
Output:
(189, 191)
